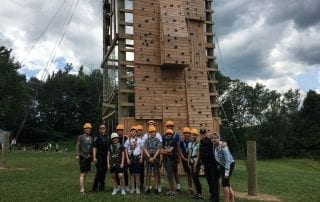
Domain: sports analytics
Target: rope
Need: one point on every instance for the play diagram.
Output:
(235, 139)
(44, 31)
(48, 63)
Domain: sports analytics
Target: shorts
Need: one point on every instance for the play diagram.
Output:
(134, 168)
(116, 169)
(226, 181)
(152, 168)
(85, 164)
(186, 167)
(171, 168)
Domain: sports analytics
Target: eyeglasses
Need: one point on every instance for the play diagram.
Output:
(169, 125)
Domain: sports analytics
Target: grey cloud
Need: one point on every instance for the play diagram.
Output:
(249, 61)
(304, 13)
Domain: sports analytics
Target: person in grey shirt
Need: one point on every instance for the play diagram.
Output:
(83, 155)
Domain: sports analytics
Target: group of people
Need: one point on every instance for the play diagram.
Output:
(142, 154)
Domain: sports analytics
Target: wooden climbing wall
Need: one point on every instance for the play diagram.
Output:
(170, 75)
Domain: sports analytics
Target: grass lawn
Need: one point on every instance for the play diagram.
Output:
(51, 176)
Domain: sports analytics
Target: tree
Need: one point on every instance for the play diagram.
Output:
(309, 137)
(14, 95)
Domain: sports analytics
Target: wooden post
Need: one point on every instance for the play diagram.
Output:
(251, 168)
(5, 146)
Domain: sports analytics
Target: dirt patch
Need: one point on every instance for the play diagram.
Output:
(260, 197)
(3, 168)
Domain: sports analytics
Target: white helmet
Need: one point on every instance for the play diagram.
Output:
(114, 135)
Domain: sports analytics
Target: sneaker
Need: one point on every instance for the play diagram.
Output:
(123, 192)
(132, 190)
(200, 197)
(138, 191)
(172, 193)
(159, 189)
(118, 190)
(148, 191)
(177, 190)
(190, 191)
(127, 189)
(195, 196)
(114, 192)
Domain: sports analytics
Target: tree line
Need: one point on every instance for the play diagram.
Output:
(55, 109)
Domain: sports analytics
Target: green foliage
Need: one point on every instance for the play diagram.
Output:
(268, 117)
(65, 101)
(14, 94)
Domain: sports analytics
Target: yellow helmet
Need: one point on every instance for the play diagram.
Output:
(87, 125)
(152, 129)
(120, 127)
(139, 127)
(134, 128)
(169, 123)
(169, 131)
(194, 131)
(186, 130)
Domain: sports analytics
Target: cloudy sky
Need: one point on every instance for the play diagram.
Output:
(273, 42)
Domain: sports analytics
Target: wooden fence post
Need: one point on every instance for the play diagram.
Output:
(5, 147)
(252, 168)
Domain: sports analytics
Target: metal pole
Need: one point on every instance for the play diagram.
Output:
(252, 168)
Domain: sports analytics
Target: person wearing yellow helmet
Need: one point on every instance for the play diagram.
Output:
(184, 155)
(152, 153)
(83, 155)
(122, 139)
(176, 137)
(140, 136)
(169, 152)
(194, 162)
(158, 136)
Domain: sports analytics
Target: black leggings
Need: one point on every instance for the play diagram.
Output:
(195, 177)
(226, 181)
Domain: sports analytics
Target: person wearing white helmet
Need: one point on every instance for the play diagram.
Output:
(115, 160)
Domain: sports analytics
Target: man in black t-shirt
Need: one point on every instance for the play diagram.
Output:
(100, 145)
(210, 165)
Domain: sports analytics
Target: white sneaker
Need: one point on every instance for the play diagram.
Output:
(123, 192)
(132, 190)
(138, 191)
(114, 192)
(118, 190)
(159, 189)
(127, 189)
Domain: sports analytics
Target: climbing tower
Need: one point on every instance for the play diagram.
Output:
(159, 63)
